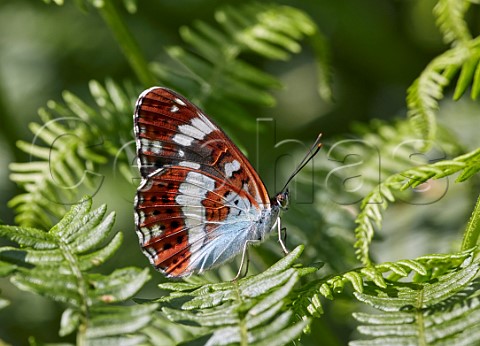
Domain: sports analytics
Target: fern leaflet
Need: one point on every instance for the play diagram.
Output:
(251, 311)
(213, 73)
(423, 95)
(443, 311)
(374, 203)
(472, 231)
(383, 275)
(450, 19)
(56, 264)
(67, 150)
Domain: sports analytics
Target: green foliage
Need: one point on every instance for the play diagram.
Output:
(57, 264)
(472, 232)
(69, 145)
(77, 138)
(212, 70)
(430, 299)
(464, 56)
(378, 200)
(253, 310)
(443, 311)
(130, 5)
(377, 278)
(451, 20)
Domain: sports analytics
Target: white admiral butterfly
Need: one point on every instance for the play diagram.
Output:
(200, 202)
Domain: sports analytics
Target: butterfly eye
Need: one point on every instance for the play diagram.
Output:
(282, 200)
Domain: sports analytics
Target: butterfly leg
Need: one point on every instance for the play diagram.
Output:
(284, 234)
(280, 240)
(245, 260)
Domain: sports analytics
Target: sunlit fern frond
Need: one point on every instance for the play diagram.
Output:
(383, 275)
(57, 264)
(216, 75)
(373, 205)
(253, 310)
(426, 91)
(451, 20)
(441, 311)
(70, 143)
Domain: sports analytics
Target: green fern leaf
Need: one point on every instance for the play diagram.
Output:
(472, 231)
(421, 295)
(371, 211)
(214, 75)
(6, 268)
(306, 301)
(427, 90)
(251, 311)
(466, 77)
(424, 94)
(450, 19)
(55, 264)
(443, 311)
(67, 150)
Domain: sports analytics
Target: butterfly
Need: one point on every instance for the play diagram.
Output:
(200, 202)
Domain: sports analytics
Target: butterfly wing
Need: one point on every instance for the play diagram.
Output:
(200, 199)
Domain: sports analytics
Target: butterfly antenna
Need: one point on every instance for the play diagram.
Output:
(308, 157)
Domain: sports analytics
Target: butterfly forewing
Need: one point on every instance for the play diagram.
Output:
(200, 200)
(170, 130)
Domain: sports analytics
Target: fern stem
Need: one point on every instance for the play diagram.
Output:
(242, 323)
(127, 43)
(82, 291)
(472, 232)
(420, 320)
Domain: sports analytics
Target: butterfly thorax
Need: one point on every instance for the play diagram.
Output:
(268, 218)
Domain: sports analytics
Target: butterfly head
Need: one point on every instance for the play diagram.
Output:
(281, 200)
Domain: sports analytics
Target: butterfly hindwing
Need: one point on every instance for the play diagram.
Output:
(186, 219)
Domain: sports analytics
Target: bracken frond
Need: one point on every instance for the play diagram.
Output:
(373, 205)
(253, 310)
(213, 74)
(442, 311)
(57, 264)
(423, 95)
(69, 145)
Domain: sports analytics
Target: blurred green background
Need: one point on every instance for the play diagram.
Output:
(47, 49)
(377, 49)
